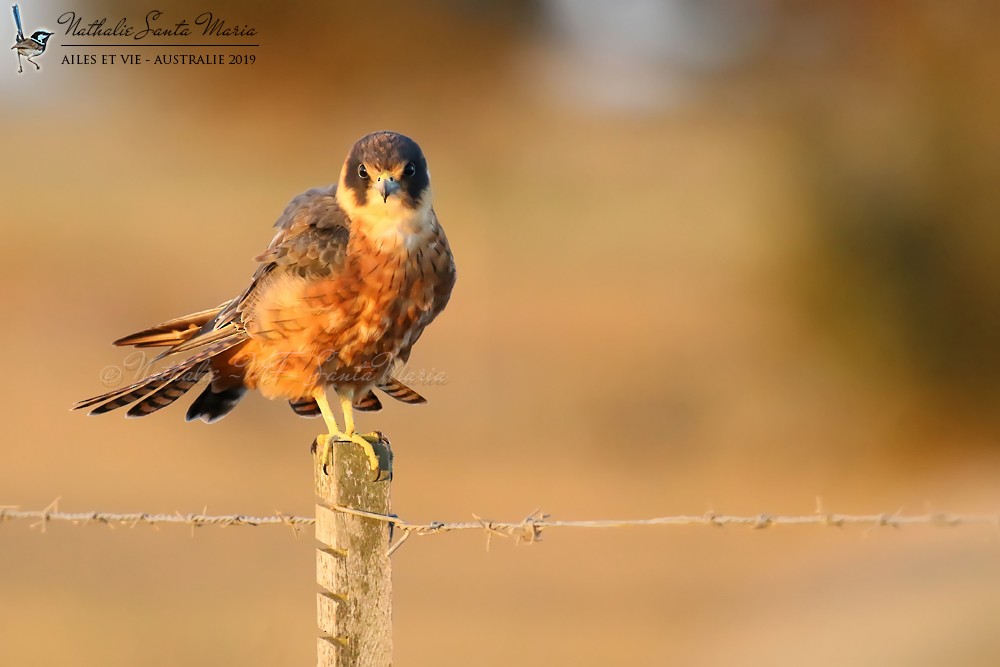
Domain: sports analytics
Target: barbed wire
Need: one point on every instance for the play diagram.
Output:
(529, 529)
(132, 519)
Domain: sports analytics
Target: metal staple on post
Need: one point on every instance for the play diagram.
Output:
(353, 570)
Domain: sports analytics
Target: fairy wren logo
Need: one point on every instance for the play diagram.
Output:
(28, 47)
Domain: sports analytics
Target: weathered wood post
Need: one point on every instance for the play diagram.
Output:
(354, 603)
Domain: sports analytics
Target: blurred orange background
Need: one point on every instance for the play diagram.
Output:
(722, 255)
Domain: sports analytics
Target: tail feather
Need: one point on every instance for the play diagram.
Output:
(305, 408)
(401, 392)
(368, 403)
(120, 398)
(137, 390)
(308, 407)
(17, 20)
(171, 332)
(200, 340)
(211, 405)
(170, 392)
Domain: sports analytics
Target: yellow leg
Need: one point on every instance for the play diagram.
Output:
(332, 427)
(324, 408)
(347, 406)
(326, 440)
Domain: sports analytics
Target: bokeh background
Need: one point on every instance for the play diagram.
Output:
(731, 255)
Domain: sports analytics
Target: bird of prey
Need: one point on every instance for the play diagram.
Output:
(354, 274)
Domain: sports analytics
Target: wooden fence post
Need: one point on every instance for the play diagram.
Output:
(354, 603)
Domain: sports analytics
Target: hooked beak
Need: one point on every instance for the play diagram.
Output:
(386, 186)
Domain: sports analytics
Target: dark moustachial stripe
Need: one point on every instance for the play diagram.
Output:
(415, 185)
(355, 183)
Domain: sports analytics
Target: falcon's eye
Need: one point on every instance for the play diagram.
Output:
(362, 172)
(410, 169)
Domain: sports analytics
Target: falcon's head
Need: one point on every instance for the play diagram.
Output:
(385, 176)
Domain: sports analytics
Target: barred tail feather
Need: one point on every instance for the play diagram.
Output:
(137, 390)
(305, 408)
(122, 397)
(170, 392)
(368, 403)
(308, 408)
(401, 392)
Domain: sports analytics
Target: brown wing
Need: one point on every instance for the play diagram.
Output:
(311, 240)
(438, 261)
(172, 332)
(313, 211)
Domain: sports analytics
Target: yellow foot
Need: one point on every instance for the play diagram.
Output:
(323, 444)
(366, 446)
(379, 461)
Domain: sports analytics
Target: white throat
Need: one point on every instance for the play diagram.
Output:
(390, 223)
